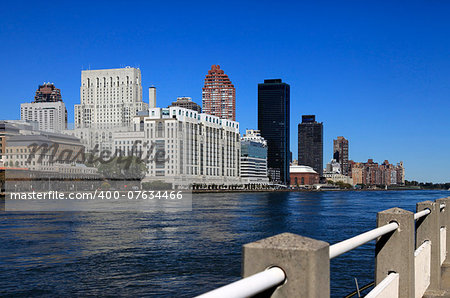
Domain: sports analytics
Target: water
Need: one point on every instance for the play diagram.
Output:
(186, 253)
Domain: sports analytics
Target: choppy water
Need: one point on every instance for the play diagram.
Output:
(185, 253)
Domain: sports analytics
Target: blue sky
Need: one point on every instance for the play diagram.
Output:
(376, 72)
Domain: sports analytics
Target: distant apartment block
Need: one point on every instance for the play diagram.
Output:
(47, 109)
(198, 149)
(310, 143)
(219, 95)
(340, 153)
(372, 173)
(253, 158)
(187, 103)
(274, 124)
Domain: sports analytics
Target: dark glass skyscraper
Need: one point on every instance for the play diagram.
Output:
(274, 123)
(310, 143)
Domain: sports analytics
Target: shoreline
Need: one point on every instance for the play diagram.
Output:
(295, 190)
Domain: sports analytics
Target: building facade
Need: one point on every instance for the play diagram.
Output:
(185, 148)
(47, 109)
(310, 143)
(333, 167)
(219, 94)
(303, 175)
(340, 153)
(274, 123)
(187, 103)
(253, 158)
(47, 92)
(54, 154)
(109, 99)
(371, 173)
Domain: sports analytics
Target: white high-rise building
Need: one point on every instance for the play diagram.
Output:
(51, 116)
(47, 109)
(196, 148)
(109, 99)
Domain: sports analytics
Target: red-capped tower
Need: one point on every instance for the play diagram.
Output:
(219, 94)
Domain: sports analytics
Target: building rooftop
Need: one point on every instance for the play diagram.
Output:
(301, 169)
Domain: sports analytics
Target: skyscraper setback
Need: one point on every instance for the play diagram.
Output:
(219, 94)
(47, 93)
(340, 153)
(273, 123)
(310, 143)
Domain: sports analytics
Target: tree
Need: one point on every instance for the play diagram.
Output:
(130, 167)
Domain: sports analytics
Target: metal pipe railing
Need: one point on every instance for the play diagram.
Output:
(276, 276)
(352, 243)
(421, 214)
(249, 286)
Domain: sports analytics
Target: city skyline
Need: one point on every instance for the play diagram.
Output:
(380, 74)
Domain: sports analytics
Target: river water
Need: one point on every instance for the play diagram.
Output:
(181, 254)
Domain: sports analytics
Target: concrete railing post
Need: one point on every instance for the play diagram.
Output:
(394, 252)
(428, 228)
(305, 261)
(445, 222)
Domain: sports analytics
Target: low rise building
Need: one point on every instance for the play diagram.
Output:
(55, 154)
(337, 177)
(303, 175)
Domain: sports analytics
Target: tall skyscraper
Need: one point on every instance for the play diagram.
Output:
(273, 123)
(47, 109)
(340, 153)
(310, 143)
(109, 97)
(219, 95)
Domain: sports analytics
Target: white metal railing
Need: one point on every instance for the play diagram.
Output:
(249, 286)
(275, 276)
(352, 243)
(388, 288)
(421, 214)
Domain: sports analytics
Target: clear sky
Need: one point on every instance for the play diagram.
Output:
(376, 72)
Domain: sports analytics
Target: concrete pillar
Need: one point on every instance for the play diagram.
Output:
(305, 261)
(394, 252)
(428, 228)
(445, 221)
